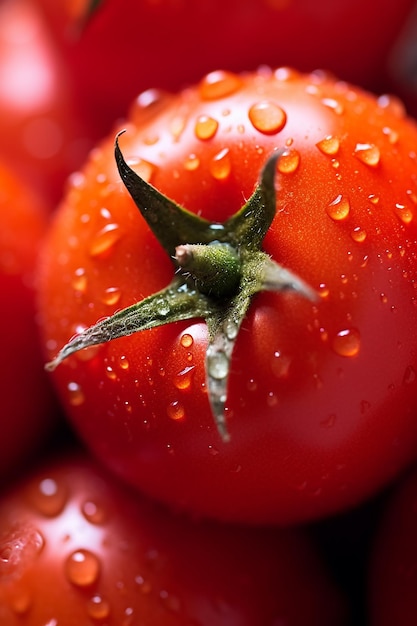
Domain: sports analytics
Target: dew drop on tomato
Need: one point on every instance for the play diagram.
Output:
(98, 608)
(289, 161)
(183, 379)
(392, 104)
(111, 296)
(267, 117)
(220, 166)
(358, 234)
(367, 153)
(105, 239)
(219, 84)
(175, 411)
(334, 105)
(339, 208)
(79, 281)
(206, 127)
(329, 145)
(186, 340)
(404, 213)
(93, 512)
(82, 568)
(49, 497)
(75, 393)
(191, 163)
(347, 342)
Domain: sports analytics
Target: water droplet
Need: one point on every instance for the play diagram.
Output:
(410, 375)
(404, 213)
(392, 104)
(184, 378)
(231, 329)
(79, 281)
(323, 291)
(213, 451)
(186, 340)
(75, 394)
(373, 198)
(177, 126)
(329, 145)
(82, 568)
(143, 168)
(191, 163)
(220, 166)
(367, 153)
(124, 362)
(334, 105)
(93, 512)
(347, 342)
(288, 161)
(219, 84)
(163, 307)
(339, 208)
(280, 365)
(98, 608)
(105, 239)
(49, 497)
(391, 134)
(358, 234)
(175, 410)
(271, 399)
(111, 296)
(267, 117)
(110, 373)
(218, 366)
(206, 127)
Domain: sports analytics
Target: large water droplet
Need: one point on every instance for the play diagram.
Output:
(289, 161)
(329, 145)
(220, 166)
(49, 497)
(404, 213)
(186, 340)
(347, 342)
(267, 117)
(82, 568)
(206, 127)
(105, 239)
(219, 84)
(367, 153)
(339, 208)
(184, 378)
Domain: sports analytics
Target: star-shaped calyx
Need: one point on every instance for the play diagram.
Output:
(218, 267)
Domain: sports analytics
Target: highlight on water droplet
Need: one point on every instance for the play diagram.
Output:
(205, 127)
(75, 394)
(184, 378)
(329, 145)
(105, 239)
(267, 117)
(219, 84)
(347, 342)
(367, 153)
(220, 166)
(82, 568)
(339, 208)
(289, 161)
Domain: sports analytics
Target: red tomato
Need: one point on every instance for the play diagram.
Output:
(27, 401)
(322, 396)
(76, 548)
(393, 583)
(38, 132)
(131, 45)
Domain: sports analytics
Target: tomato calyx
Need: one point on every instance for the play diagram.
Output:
(218, 268)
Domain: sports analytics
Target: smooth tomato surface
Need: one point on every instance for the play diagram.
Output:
(27, 399)
(392, 578)
(170, 43)
(76, 548)
(322, 397)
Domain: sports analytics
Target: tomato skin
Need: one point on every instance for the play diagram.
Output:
(144, 564)
(170, 43)
(392, 582)
(28, 405)
(312, 393)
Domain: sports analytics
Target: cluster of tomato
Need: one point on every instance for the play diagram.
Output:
(226, 294)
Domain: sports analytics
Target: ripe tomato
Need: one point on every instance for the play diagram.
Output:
(27, 400)
(322, 395)
(170, 43)
(393, 583)
(38, 130)
(76, 548)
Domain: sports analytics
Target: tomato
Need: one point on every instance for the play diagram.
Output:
(38, 130)
(392, 579)
(321, 397)
(170, 43)
(28, 404)
(77, 548)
